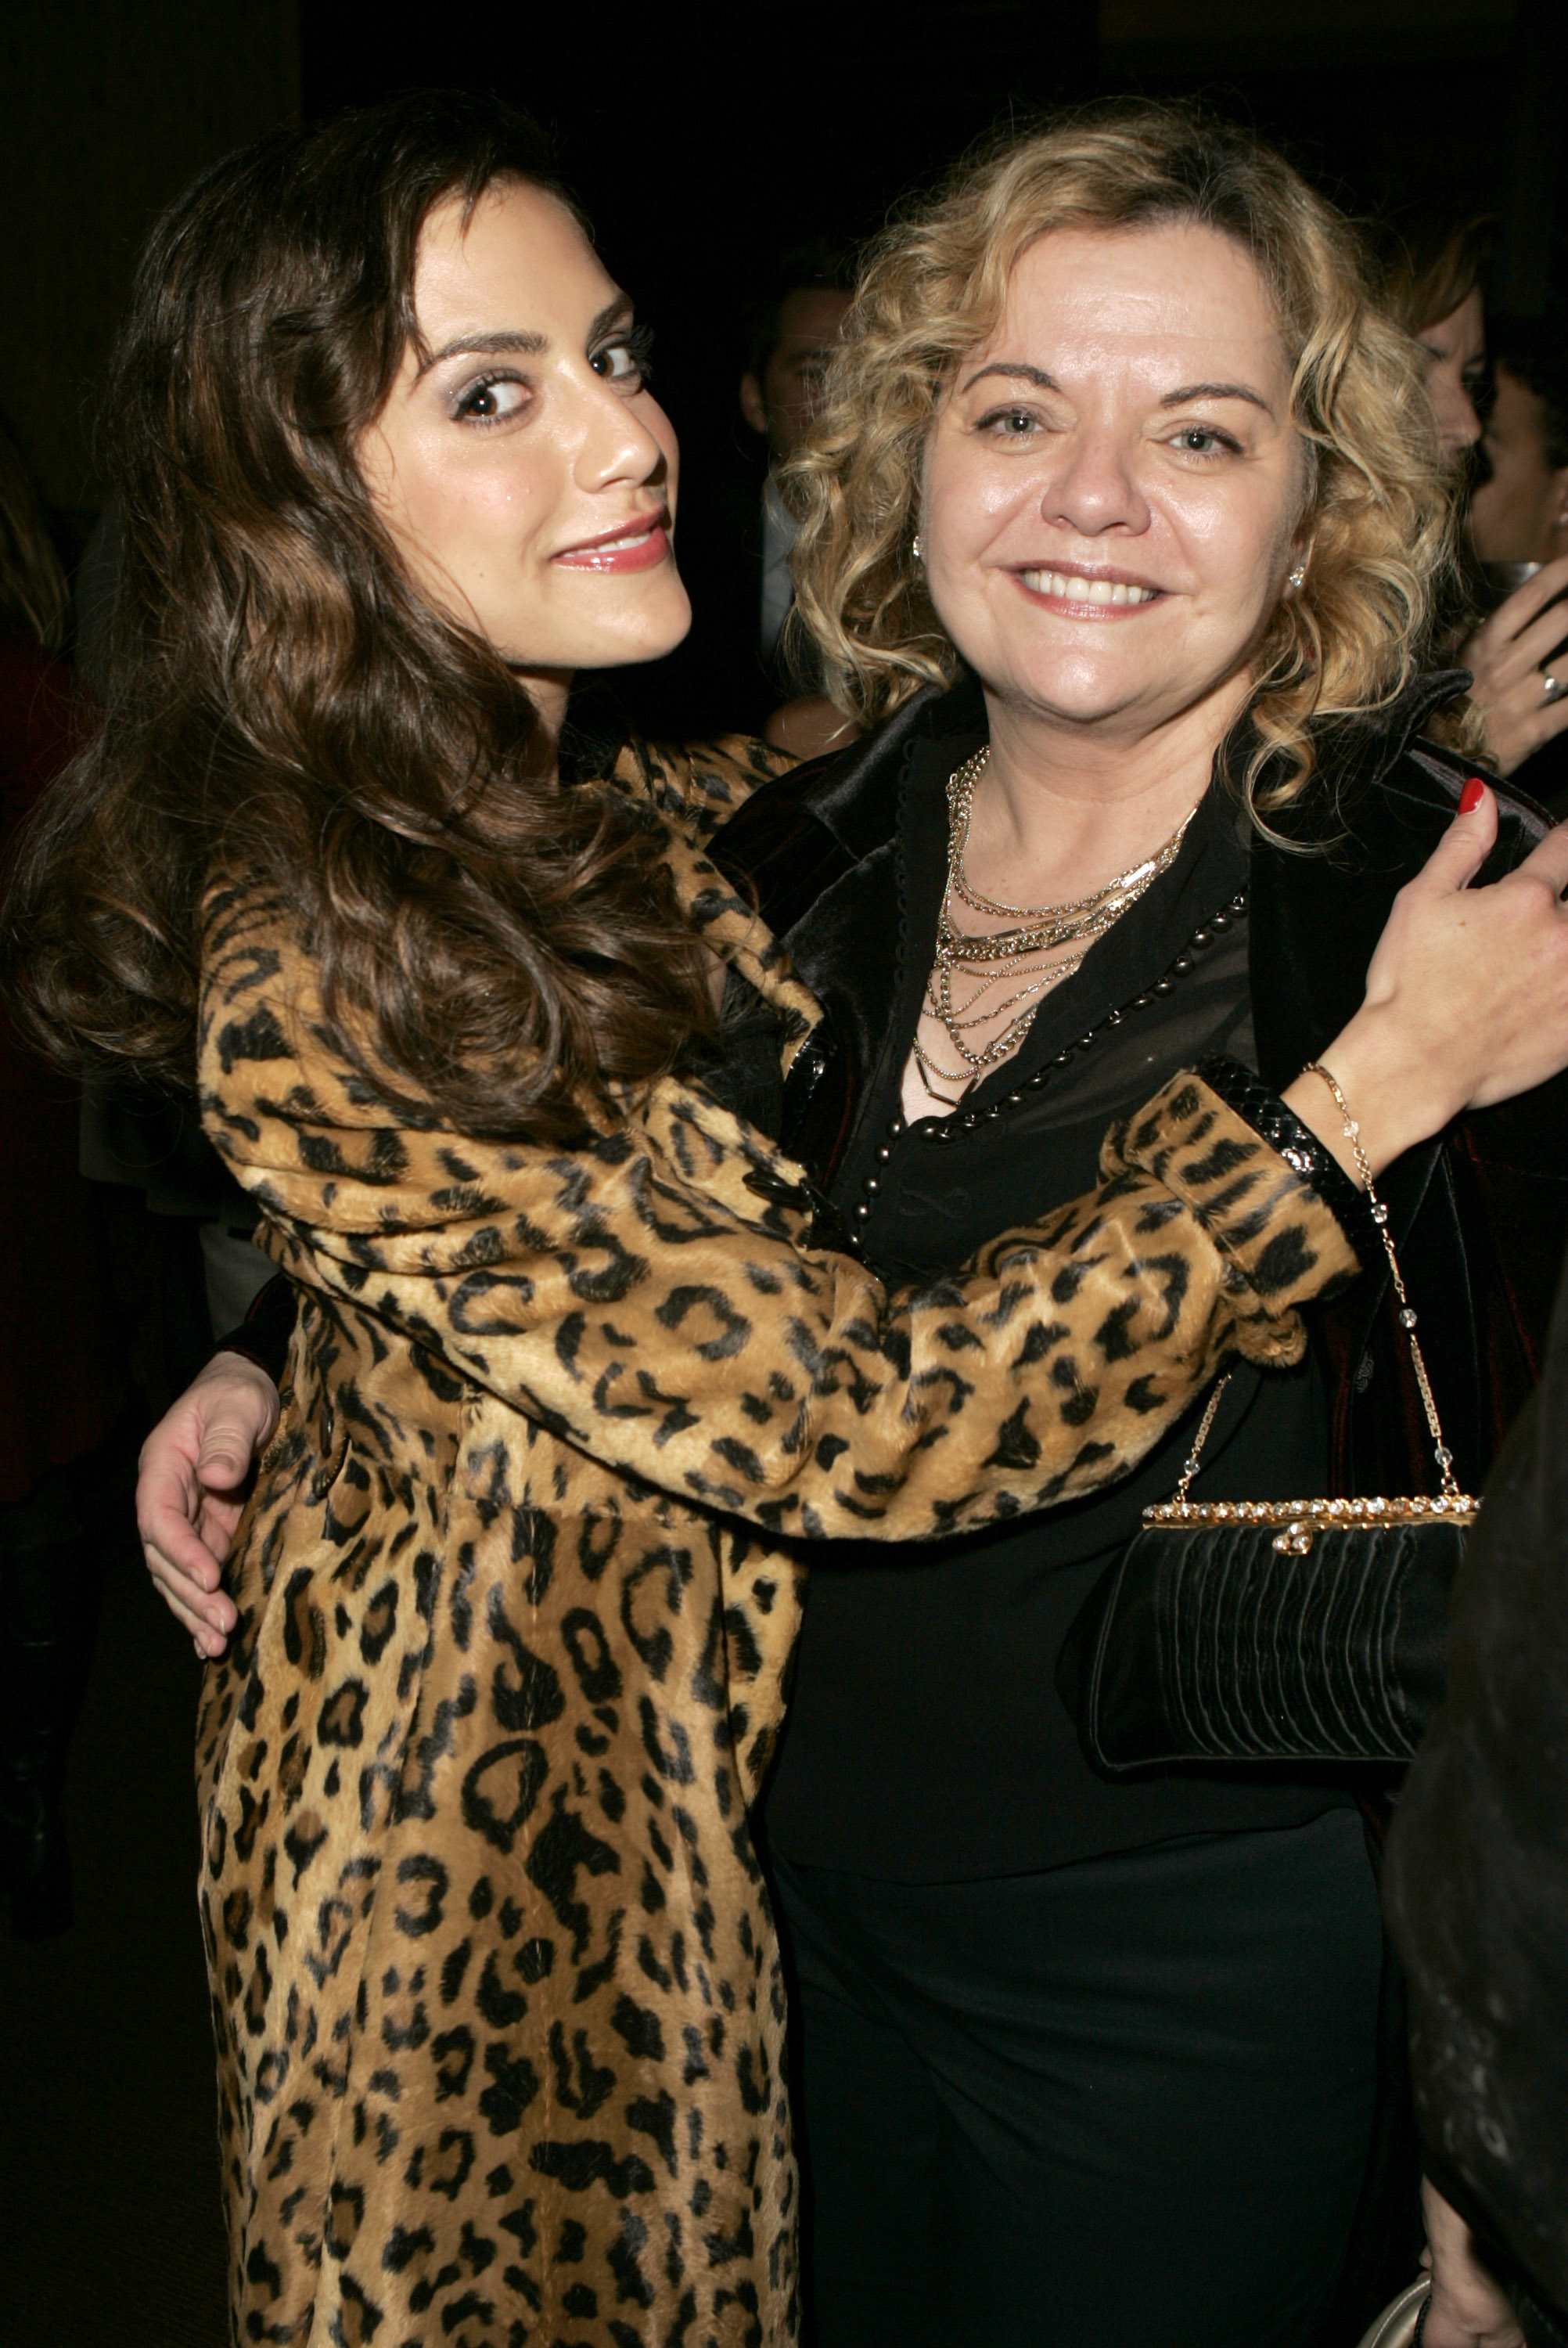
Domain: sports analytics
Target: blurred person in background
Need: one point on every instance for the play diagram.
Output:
(1433, 282)
(61, 1385)
(738, 665)
(1519, 529)
(198, 1267)
(1476, 1892)
(1433, 273)
(794, 337)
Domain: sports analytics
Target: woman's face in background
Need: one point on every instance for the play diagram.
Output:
(1516, 515)
(1113, 483)
(1454, 352)
(526, 473)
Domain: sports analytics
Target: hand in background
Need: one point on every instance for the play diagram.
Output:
(1467, 2309)
(1445, 1025)
(1507, 656)
(189, 1491)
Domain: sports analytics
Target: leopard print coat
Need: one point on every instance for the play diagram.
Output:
(497, 1988)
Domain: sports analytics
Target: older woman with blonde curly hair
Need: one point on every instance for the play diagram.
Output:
(1120, 530)
(1120, 533)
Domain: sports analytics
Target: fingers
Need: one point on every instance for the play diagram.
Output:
(234, 1429)
(1537, 643)
(1468, 841)
(1548, 861)
(1527, 603)
(164, 1511)
(196, 1605)
(236, 1409)
(208, 1637)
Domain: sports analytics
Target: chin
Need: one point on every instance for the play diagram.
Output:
(644, 628)
(654, 619)
(1076, 699)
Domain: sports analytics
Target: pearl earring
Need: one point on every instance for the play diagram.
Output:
(917, 549)
(1298, 576)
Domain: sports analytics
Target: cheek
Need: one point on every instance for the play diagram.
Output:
(459, 499)
(970, 493)
(1235, 537)
(475, 498)
(663, 432)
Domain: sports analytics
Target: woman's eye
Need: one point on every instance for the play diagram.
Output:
(1202, 440)
(493, 399)
(1009, 423)
(624, 362)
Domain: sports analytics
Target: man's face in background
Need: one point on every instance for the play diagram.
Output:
(782, 400)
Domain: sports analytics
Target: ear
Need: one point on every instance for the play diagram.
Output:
(753, 405)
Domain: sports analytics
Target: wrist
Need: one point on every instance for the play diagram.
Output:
(1397, 1100)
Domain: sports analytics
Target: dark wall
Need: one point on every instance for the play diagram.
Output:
(705, 139)
(1451, 104)
(108, 110)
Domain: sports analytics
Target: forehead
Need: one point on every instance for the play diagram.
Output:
(1137, 292)
(809, 317)
(1461, 332)
(520, 251)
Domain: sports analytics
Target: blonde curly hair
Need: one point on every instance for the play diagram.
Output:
(1380, 515)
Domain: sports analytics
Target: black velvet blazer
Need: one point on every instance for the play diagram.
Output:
(1479, 1215)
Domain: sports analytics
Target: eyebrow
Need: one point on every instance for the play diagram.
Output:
(1018, 371)
(1216, 391)
(1022, 373)
(518, 338)
(504, 339)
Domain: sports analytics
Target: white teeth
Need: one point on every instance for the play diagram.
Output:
(591, 554)
(1069, 587)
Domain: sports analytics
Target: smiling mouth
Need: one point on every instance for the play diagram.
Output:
(1074, 587)
(642, 543)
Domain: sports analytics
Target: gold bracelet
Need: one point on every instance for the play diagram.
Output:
(1407, 1316)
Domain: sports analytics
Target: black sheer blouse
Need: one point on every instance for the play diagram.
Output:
(926, 1741)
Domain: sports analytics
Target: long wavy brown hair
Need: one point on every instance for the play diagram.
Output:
(286, 709)
(1380, 519)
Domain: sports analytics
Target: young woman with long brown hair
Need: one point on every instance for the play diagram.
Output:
(500, 2007)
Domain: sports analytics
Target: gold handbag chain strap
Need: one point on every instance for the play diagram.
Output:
(1407, 1312)
(1407, 1317)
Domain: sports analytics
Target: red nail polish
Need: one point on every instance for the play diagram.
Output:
(1471, 798)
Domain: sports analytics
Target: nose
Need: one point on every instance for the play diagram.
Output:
(616, 444)
(1457, 420)
(1093, 487)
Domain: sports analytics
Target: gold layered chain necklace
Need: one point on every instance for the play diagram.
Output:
(1009, 968)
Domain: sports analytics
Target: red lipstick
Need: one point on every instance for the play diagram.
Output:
(636, 544)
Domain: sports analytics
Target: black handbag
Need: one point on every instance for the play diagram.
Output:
(1249, 1631)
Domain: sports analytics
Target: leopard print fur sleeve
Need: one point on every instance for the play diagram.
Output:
(654, 1299)
(698, 785)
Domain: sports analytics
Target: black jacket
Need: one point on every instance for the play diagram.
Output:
(1479, 1215)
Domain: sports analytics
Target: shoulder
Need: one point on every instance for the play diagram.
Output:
(1428, 776)
(697, 786)
(260, 999)
(1386, 787)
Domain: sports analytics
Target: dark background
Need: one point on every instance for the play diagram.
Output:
(703, 139)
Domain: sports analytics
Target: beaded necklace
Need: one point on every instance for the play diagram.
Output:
(940, 1132)
(1011, 956)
